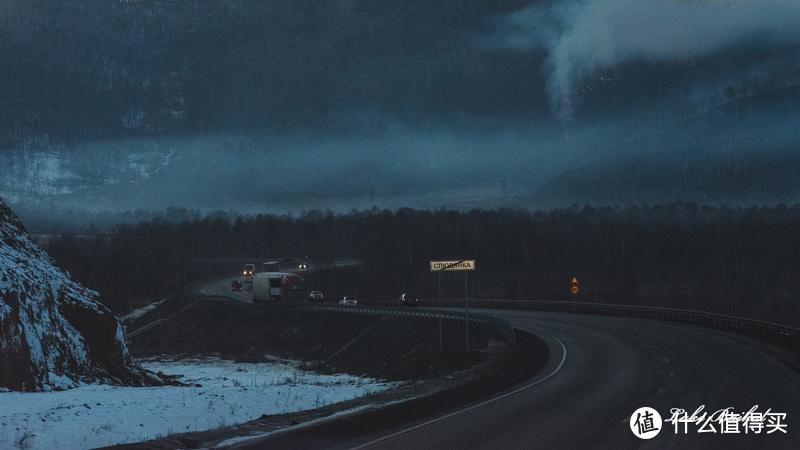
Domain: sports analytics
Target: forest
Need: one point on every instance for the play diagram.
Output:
(741, 261)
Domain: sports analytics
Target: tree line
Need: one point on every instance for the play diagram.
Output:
(741, 261)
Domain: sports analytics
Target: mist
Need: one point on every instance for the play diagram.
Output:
(281, 107)
(584, 37)
(253, 171)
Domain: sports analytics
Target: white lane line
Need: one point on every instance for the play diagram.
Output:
(478, 405)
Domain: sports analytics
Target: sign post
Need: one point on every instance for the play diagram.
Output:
(441, 344)
(459, 265)
(466, 310)
(574, 287)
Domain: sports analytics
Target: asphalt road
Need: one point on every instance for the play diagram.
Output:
(601, 369)
(222, 286)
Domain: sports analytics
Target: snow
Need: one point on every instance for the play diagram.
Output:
(230, 392)
(41, 167)
(309, 423)
(34, 321)
(136, 313)
(4, 311)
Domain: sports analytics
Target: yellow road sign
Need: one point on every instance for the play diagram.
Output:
(574, 288)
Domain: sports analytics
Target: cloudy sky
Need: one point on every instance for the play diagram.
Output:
(311, 102)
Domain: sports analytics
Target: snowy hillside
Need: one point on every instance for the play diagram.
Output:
(54, 333)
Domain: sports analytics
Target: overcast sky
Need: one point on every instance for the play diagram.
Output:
(467, 91)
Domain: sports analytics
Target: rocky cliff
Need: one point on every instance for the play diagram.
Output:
(54, 333)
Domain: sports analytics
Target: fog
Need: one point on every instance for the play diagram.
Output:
(253, 171)
(282, 107)
(583, 37)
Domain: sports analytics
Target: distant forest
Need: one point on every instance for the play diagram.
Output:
(742, 261)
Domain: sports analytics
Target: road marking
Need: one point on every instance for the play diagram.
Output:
(478, 405)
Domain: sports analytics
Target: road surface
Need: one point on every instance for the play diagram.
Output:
(222, 286)
(601, 369)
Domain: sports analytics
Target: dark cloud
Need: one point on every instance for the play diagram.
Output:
(130, 67)
(307, 103)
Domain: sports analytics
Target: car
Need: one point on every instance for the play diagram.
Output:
(316, 296)
(408, 300)
(302, 266)
(236, 286)
(348, 300)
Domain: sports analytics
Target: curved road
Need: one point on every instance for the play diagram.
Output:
(601, 369)
(611, 367)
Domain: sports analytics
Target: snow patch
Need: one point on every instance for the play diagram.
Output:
(347, 412)
(139, 312)
(221, 393)
(50, 350)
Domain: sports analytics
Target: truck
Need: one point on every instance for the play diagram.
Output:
(248, 273)
(273, 286)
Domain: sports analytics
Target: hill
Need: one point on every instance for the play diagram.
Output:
(54, 333)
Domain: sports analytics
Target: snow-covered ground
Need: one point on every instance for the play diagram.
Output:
(136, 313)
(230, 392)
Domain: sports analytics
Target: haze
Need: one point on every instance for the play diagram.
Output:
(275, 106)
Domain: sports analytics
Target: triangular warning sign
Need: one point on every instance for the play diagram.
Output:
(574, 280)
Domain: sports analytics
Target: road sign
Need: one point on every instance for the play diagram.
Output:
(574, 289)
(457, 265)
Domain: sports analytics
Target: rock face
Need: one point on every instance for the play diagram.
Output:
(54, 333)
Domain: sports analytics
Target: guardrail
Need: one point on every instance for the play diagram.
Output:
(489, 323)
(503, 329)
(713, 320)
(492, 324)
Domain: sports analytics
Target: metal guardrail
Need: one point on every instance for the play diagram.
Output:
(495, 325)
(713, 320)
(503, 329)
(492, 324)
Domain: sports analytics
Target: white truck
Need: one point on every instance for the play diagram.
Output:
(269, 286)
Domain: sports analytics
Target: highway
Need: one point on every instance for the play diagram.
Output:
(222, 286)
(600, 370)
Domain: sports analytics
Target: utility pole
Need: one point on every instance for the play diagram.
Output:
(331, 278)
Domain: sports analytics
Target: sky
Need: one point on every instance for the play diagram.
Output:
(284, 106)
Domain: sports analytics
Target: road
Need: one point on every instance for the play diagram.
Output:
(601, 369)
(222, 286)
